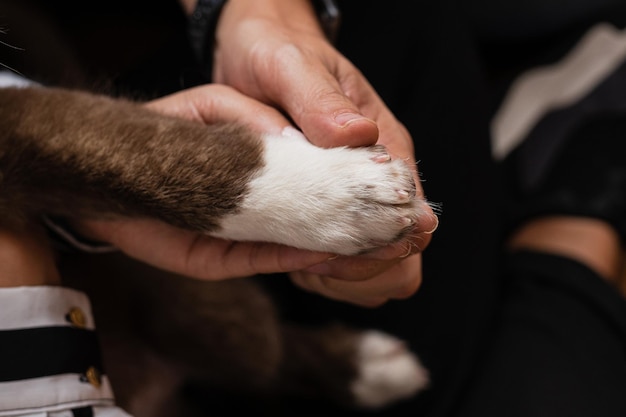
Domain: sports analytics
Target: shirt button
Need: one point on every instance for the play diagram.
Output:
(77, 317)
(93, 376)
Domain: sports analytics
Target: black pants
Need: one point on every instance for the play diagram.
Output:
(559, 346)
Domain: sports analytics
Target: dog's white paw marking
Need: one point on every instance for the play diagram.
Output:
(388, 371)
(339, 200)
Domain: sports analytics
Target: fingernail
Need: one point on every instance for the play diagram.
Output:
(406, 221)
(381, 157)
(345, 119)
(403, 195)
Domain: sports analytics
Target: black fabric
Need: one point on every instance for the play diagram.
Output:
(515, 36)
(47, 351)
(560, 348)
(587, 177)
(543, 144)
(201, 29)
(83, 412)
(138, 48)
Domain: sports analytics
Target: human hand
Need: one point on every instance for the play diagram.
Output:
(189, 253)
(370, 280)
(196, 255)
(275, 51)
(367, 283)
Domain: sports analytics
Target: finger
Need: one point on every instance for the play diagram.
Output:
(317, 101)
(195, 255)
(363, 267)
(397, 282)
(215, 259)
(352, 268)
(415, 242)
(316, 284)
(218, 103)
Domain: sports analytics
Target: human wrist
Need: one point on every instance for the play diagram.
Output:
(294, 14)
(26, 258)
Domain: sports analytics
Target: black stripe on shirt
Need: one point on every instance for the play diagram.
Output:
(47, 351)
(83, 412)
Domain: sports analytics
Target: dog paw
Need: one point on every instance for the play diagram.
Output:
(388, 371)
(339, 200)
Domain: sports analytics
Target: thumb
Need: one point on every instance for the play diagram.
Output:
(335, 121)
(327, 116)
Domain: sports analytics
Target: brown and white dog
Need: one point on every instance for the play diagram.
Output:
(66, 152)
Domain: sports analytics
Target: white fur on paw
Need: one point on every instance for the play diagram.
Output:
(387, 371)
(340, 200)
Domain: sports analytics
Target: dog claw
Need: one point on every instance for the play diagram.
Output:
(404, 196)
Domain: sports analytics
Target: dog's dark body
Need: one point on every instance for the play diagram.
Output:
(70, 153)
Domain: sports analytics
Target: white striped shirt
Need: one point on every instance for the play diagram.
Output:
(38, 326)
